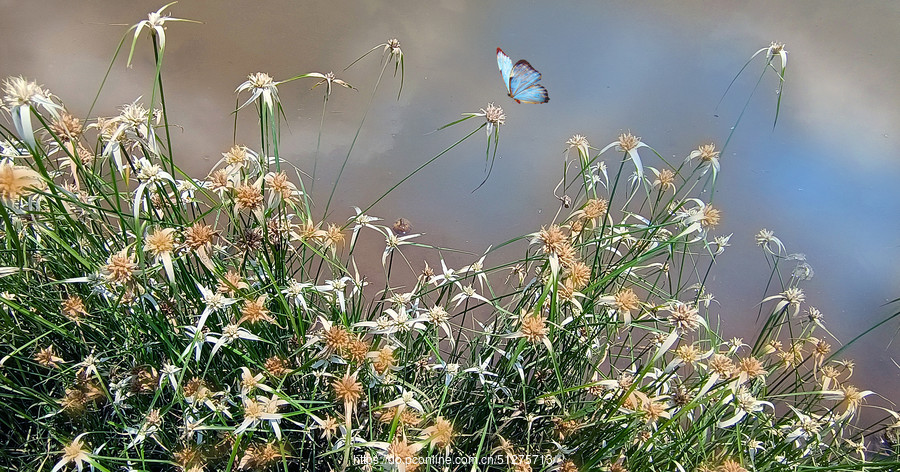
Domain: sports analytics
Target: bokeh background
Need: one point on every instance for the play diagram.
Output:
(825, 179)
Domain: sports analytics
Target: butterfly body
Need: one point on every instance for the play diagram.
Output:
(521, 80)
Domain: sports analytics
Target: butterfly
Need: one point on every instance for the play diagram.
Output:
(521, 80)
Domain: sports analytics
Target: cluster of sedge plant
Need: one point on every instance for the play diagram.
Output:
(156, 321)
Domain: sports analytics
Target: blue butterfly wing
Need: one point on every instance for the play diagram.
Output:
(533, 94)
(524, 86)
(505, 64)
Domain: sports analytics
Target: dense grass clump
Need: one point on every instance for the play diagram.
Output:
(153, 320)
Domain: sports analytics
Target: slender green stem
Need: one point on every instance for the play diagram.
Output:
(355, 137)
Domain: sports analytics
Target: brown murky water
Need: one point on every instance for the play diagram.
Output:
(824, 179)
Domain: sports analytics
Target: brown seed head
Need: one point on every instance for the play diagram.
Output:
(336, 338)
(628, 141)
(822, 348)
(329, 427)
(91, 389)
(84, 155)
(552, 239)
(402, 455)
(189, 458)
(440, 433)
(198, 235)
(144, 380)
(259, 456)
(730, 466)
(120, 267)
(711, 217)
(73, 307)
(281, 185)
(566, 255)
(249, 241)
(750, 368)
(231, 283)
(347, 389)
(383, 359)
(248, 197)
(568, 466)
(534, 328)
(67, 127)
(408, 417)
(277, 366)
(220, 181)
(21, 91)
(595, 208)
(17, 181)
(237, 156)
(193, 386)
(47, 357)
(279, 231)
(681, 397)
(310, 231)
(580, 275)
(333, 238)
(708, 152)
(161, 241)
(666, 179)
(684, 317)
(74, 403)
(566, 291)
(627, 300)
(653, 411)
(721, 365)
(564, 428)
(357, 349)
(254, 311)
(687, 353)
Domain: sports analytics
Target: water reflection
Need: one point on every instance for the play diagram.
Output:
(824, 179)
